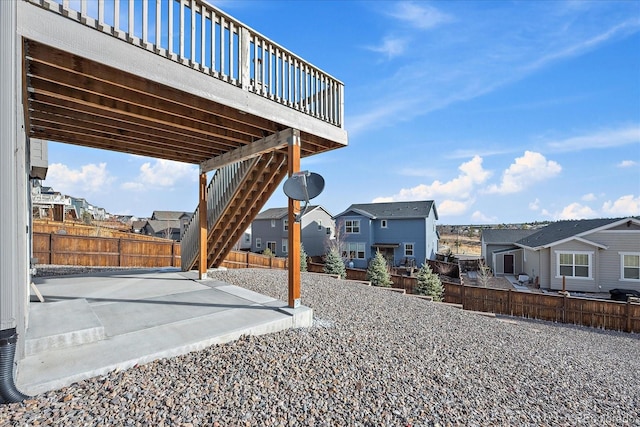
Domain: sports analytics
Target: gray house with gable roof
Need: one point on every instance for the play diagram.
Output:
(270, 230)
(404, 232)
(593, 255)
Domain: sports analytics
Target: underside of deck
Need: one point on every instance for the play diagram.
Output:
(87, 86)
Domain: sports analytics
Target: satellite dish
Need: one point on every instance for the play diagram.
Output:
(303, 186)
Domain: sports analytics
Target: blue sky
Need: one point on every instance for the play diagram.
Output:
(500, 112)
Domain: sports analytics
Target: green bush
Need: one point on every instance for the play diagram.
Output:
(429, 283)
(378, 272)
(268, 252)
(334, 264)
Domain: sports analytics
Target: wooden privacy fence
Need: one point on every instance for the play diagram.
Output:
(241, 259)
(64, 249)
(605, 314)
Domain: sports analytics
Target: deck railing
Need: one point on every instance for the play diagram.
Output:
(202, 37)
(220, 191)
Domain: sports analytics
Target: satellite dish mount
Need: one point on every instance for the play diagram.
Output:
(303, 186)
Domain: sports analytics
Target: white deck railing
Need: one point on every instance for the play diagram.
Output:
(220, 190)
(196, 34)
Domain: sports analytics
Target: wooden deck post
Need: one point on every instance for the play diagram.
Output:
(202, 209)
(293, 161)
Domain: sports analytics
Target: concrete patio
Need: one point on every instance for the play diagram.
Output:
(90, 325)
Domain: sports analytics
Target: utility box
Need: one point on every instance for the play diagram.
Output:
(39, 158)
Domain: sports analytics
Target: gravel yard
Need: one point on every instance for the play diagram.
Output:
(373, 358)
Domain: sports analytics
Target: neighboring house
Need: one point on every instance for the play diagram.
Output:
(270, 230)
(594, 255)
(498, 249)
(244, 243)
(405, 232)
(165, 224)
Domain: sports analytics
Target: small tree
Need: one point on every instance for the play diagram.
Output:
(429, 283)
(378, 272)
(484, 274)
(303, 258)
(268, 252)
(334, 264)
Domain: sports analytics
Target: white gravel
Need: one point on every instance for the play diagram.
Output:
(372, 358)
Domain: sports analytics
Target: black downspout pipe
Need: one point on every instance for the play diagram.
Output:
(8, 391)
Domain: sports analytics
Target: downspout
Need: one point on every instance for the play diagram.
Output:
(8, 391)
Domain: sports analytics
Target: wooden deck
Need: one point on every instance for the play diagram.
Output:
(205, 90)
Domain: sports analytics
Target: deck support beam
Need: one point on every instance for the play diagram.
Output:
(270, 143)
(293, 161)
(202, 209)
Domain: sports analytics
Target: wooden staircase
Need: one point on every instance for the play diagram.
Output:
(236, 194)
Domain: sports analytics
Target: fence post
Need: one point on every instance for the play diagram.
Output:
(628, 326)
(509, 301)
(564, 306)
(50, 248)
(119, 252)
(462, 294)
(247, 259)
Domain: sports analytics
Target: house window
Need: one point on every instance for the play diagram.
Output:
(352, 226)
(285, 224)
(272, 247)
(258, 243)
(285, 246)
(630, 266)
(408, 249)
(353, 250)
(273, 223)
(383, 223)
(574, 264)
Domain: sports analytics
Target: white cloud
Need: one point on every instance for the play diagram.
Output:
(625, 206)
(460, 188)
(600, 139)
(576, 211)
(530, 168)
(162, 173)
(89, 179)
(391, 46)
(454, 197)
(589, 197)
(479, 217)
(627, 164)
(535, 205)
(454, 207)
(421, 16)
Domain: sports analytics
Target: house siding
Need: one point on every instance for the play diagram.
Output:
(488, 254)
(402, 231)
(574, 284)
(261, 229)
(609, 260)
(364, 237)
(315, 240)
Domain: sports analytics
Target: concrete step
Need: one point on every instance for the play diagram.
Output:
(62, 324)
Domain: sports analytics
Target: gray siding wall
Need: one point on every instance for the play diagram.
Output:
(574, 284)
(315, 237)
(262, 229)
(487, 254)
(610, 260)
(531, 265)
(14, 205)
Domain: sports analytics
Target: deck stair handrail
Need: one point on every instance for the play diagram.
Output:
(206, 39)
(220, 191)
